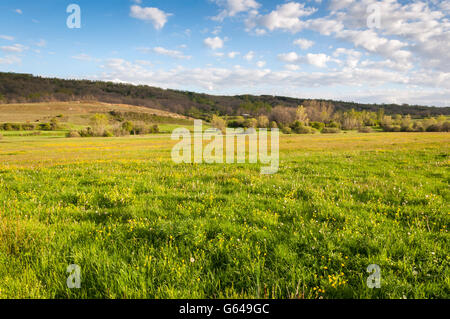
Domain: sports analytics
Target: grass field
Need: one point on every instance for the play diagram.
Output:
(140, 226)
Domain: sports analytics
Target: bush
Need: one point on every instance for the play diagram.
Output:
(318, 125)
(330, 130)
(286, 130)
(299, 128)
(155, 129)
(45, 127)
(11, 127)
(108, 133)
(127, 126)
(434, 128)
(28, 127)
(87, 132)
(365, 129)
(73, 134)
(334, 124)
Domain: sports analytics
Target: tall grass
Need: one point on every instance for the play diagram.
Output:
(140, 226)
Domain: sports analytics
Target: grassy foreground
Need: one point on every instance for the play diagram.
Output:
(140, 226)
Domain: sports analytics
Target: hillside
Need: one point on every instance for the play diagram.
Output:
(26, 88)
(74, 112)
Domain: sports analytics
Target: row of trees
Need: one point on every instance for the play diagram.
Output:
(100, 126)
(319, 116)
(53, 125)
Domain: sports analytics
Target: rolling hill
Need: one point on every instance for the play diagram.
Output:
(26, 88)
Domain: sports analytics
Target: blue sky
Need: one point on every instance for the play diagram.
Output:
(354, 50)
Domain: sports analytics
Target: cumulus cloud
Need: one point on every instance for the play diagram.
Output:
(286, 17)
(261, 64)
(214, 43)
(249, 56)
(154, 15)
(319, 60)
(233, 7)
(304, 43)
(346, 83)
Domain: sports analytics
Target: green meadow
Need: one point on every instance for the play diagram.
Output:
(141, 226)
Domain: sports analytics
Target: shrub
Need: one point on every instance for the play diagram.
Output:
(251, 123)
(334, 124)
(12, 127)
(263, 121)
(87, 132)
(446, 127)
(28, 127)
(45, 127)
(286, 130)
(365, 129)
(299, 128)
(108, 133)
(155, 129)
(73, 134)
(7, 127)
(330, 130)
(218, 123)
(318, 125)
(434, 128)
(54, 124)
(127, 126)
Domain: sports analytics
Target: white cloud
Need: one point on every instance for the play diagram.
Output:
(290, 57)
(42, 43)
(214, 43)
(261, 64)
(286, 17)
(171, 53)
(233, 54)
(234, 7)
(16, 48)
(304, 43)
(83, 57)
(10, 59)
(344, 84)
(292, 67)
(19, 11)
(249, 56)
(6, 37)
(154, 15)
(319, 60)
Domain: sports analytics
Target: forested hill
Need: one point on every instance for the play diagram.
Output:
(20, 88)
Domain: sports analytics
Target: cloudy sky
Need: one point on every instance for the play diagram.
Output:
(353, 50)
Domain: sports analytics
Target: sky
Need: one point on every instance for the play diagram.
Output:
(387, 51)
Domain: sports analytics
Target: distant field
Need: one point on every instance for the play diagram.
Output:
(73, 111)
(140, 226)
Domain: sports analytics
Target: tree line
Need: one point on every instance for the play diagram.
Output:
(26, 88)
